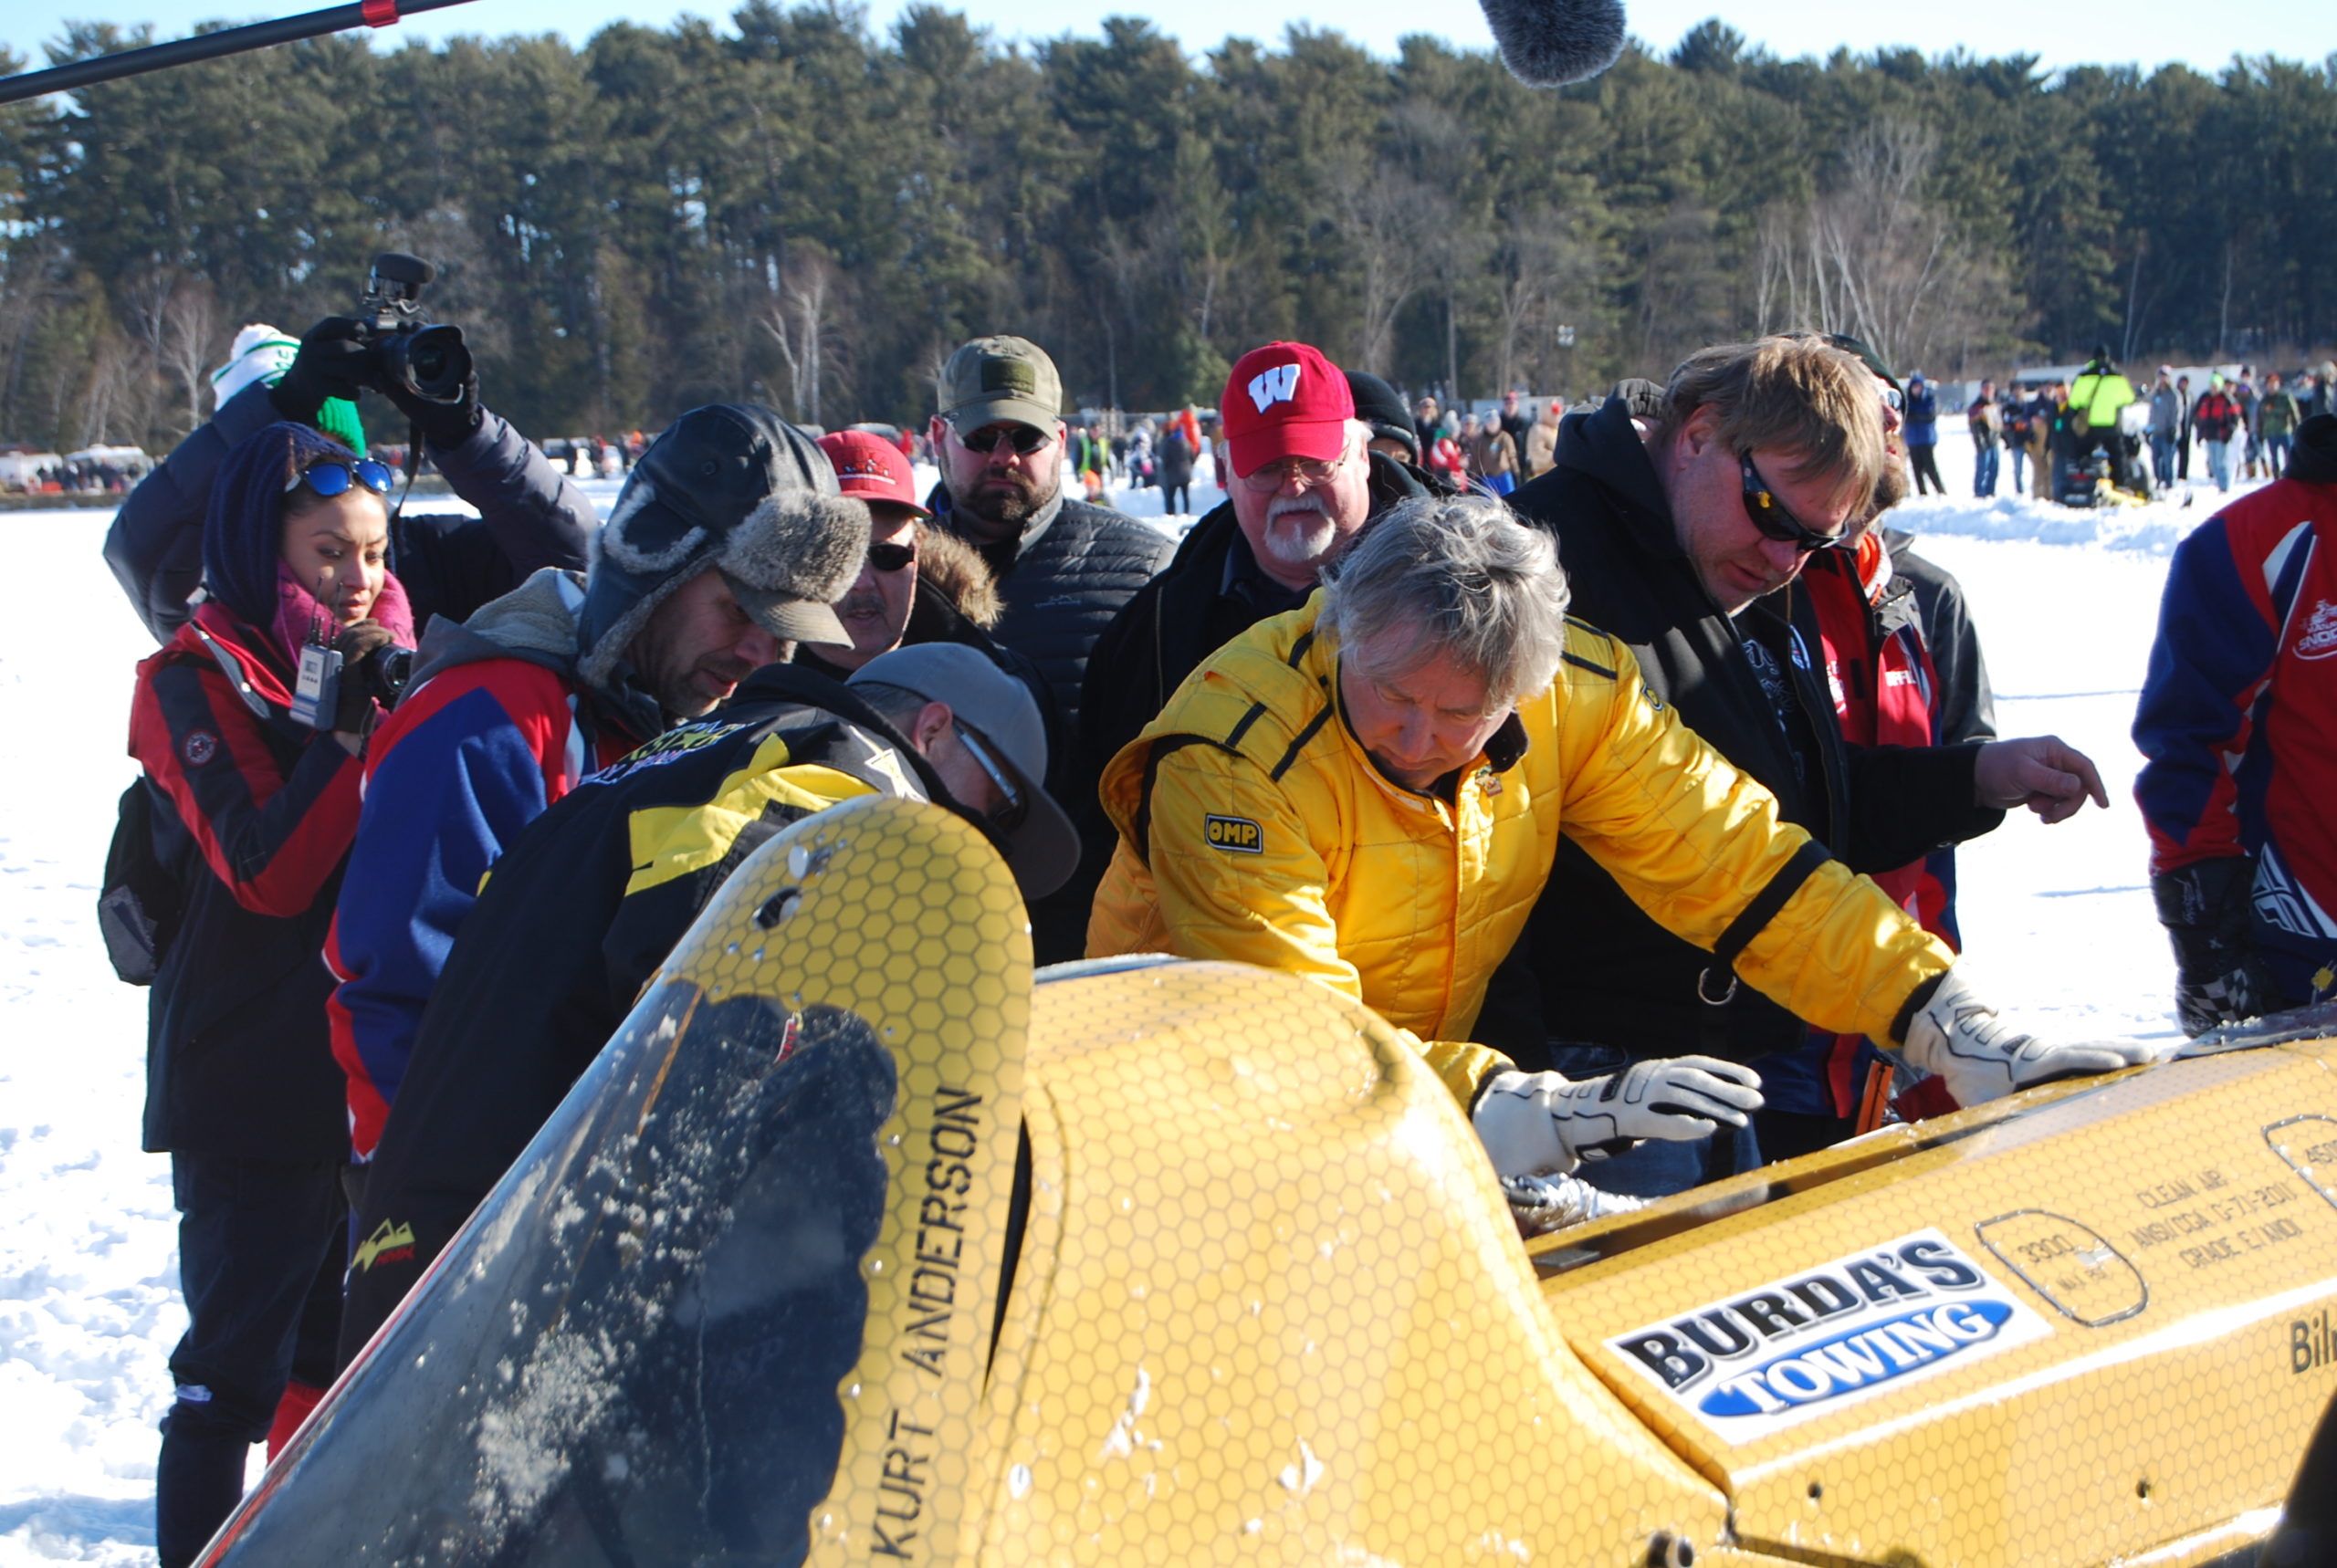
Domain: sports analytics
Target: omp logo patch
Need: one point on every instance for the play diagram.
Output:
(199, 748)
(1769, 1357)
(390, 1243)
(1238, 835)
(1278, 384)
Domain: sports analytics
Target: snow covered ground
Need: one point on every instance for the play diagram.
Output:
(2058, 920)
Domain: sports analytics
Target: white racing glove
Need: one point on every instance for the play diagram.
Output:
(1535, 1122)
(1960, 1036)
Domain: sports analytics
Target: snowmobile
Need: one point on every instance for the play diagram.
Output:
(2106, 470)
(860, 1243)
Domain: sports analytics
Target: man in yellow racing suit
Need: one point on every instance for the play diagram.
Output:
(1368, 790)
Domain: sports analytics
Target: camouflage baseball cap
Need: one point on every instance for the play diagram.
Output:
(994, 378)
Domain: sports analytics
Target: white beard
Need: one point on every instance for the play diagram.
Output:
(1301, 536)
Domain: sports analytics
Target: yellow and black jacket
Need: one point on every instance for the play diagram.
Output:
(572, 922)
(1253, 827)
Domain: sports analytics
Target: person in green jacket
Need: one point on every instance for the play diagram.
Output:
(2277, 418)
(2095, 398)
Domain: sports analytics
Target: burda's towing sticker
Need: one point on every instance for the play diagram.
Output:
(1800, 1347)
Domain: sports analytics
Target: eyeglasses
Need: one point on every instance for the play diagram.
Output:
(1893, 398)
(1025, 439)
(330, 478)
(1769, 514)
(1268, 477)
(1009, 817)
(891, 558)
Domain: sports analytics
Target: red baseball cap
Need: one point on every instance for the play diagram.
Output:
(871, 467)
(1284, 399)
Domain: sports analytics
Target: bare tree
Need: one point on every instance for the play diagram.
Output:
(1385, 220)
(1542, 264)
(1878, 259)
(189, 331)
(803, 316)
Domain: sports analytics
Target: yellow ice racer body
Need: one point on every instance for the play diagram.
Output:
(858, 1246)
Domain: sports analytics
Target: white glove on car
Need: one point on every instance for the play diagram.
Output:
(1534, 1123)
(1960, 1036)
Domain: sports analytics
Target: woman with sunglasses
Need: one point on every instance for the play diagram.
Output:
(254, 811)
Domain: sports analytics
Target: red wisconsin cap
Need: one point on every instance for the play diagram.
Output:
(1284, 399)
(871, 467)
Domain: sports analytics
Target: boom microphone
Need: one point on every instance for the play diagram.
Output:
(1549, 43)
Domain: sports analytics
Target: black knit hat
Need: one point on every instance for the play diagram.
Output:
(1865, 356)
(1379, 406)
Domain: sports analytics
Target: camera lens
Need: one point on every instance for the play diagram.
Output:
(396, 667)
(432, 363)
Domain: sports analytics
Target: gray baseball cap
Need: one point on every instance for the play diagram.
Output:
(1043, 848)
(1002, 378)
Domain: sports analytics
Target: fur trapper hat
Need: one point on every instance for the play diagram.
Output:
(733, 487)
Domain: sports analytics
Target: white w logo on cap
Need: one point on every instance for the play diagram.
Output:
(1270, 387)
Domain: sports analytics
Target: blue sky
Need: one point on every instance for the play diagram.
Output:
(2145, 32)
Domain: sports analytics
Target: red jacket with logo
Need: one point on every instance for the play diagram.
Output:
(2239, 713)
(254, 813)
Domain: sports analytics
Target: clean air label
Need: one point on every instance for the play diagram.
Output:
(1768, 1358)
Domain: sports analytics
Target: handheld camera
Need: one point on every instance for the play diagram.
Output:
(430, 363)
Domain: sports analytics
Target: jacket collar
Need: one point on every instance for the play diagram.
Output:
(244, 653)
(1603, 446)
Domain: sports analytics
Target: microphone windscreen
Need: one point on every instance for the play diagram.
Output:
(1549, 43)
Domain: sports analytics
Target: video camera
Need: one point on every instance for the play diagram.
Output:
(430, 363)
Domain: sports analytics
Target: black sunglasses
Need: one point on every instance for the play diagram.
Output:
(333, 478)
(1769, 514)
(1009, 816)
(1025, 439)
(891, 558)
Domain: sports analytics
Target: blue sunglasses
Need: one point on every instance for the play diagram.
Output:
(334, 479)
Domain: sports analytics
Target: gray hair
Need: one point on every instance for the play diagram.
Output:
(1460, 576)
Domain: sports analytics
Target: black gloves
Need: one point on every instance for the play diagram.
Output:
(441, 423)
(370, 670)
(339, 359)
(2218, 979)
(334, 360)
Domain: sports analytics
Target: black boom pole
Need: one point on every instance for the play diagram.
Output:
(210, 45)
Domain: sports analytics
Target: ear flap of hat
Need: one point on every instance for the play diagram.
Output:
(800, 545)
(646, 538)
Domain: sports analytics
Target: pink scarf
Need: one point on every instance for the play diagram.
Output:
(299, 615)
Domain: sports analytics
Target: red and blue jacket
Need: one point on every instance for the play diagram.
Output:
(498, 727)
(255, 816)
(2238, 717)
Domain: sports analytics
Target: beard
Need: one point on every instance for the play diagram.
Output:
(1891, 486)
(1299, 533)
(1007, 499)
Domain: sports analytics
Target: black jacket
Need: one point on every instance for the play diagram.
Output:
(450, 563)
(1606, 973)
(551, 959)
(1063, 580)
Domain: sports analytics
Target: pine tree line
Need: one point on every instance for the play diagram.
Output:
(798, 211)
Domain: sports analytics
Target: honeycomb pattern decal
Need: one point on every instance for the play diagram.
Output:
(2186, 1264)
(1272, 1309)
(904, 914)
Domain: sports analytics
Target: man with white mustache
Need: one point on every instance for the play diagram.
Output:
(1303, 483)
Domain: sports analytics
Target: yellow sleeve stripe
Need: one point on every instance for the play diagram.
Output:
(670, 842)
